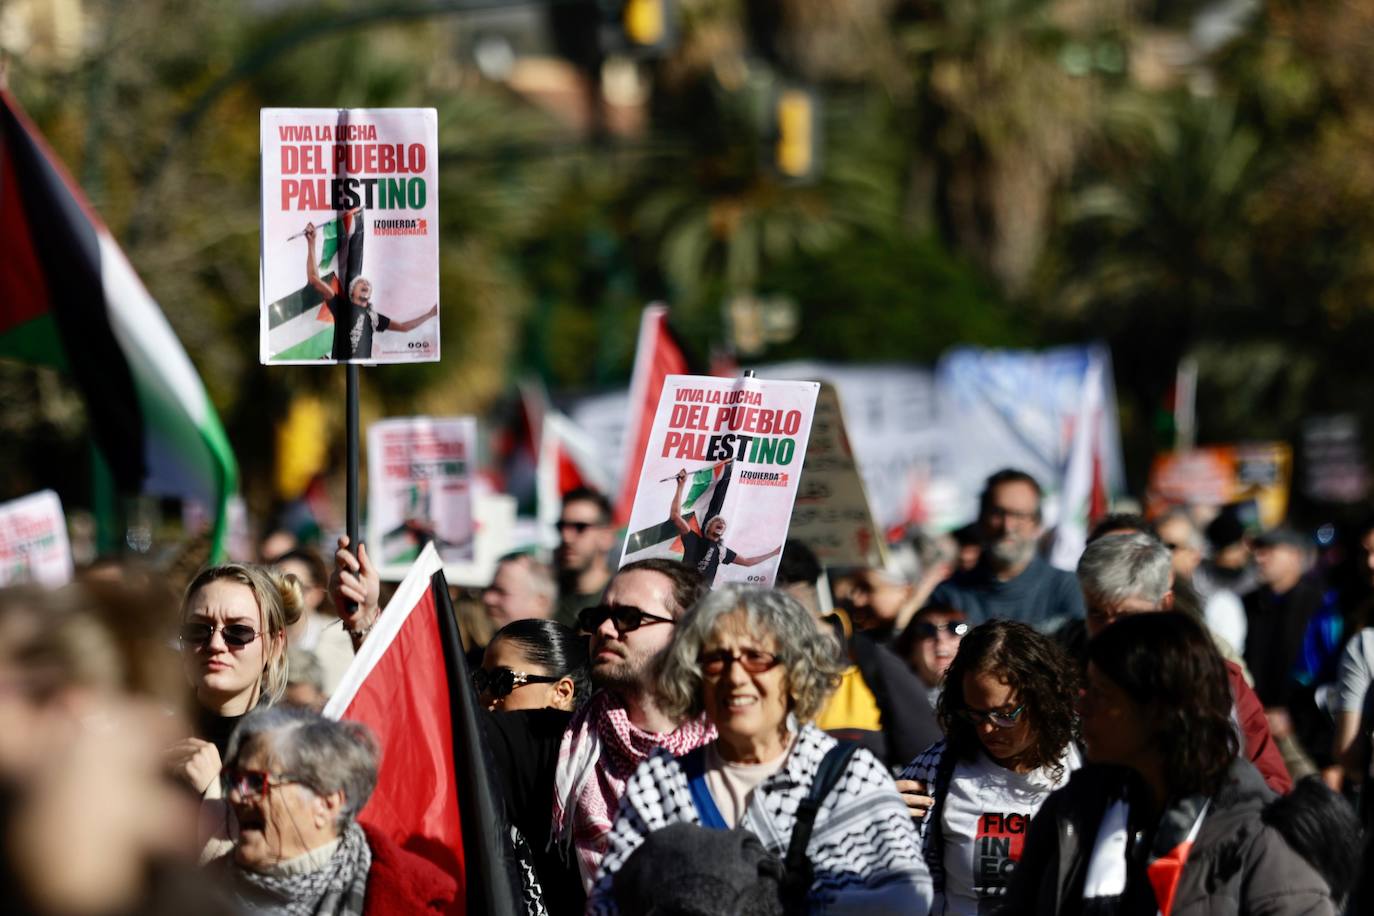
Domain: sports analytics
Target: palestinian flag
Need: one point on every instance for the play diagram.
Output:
(567, 461)
(434, 797)
(70, 300)
(300, 326)
(703, 496)
(658, 355)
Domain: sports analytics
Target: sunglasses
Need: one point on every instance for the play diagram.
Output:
(499, 682)
(999, 719)
(753, 661)
(627, 618)
(236, 635)
(926, 630)
(253, 783)
(575, 527)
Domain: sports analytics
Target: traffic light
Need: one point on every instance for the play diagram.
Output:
(796, 134)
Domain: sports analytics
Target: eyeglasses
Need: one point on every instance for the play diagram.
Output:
(627, 618)
(499, 682)
(236, 635)
(999, 719)
(751, 660)
(1011, 515)
(926, 630)
(253, 783)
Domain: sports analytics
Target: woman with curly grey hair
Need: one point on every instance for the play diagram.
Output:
(760, 668)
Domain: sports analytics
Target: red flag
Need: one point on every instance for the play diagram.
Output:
(657, 356)
(409, 684)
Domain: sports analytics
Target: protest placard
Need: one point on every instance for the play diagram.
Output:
(1221, 474)
(420, 480)
(33, 541)
(350, 236)
(720, 475)
(832, 515)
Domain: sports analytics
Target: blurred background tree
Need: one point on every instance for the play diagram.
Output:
(1181, 179)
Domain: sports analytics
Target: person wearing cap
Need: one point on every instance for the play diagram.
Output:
(1229, 567)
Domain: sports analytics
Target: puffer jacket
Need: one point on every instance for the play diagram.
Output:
(1237, 865)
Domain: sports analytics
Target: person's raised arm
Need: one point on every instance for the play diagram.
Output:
(413, 323)
(755, 561)
(312, 272)
(356, 588)
(675, 511)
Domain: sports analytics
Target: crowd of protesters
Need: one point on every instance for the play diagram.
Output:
(1181, 726)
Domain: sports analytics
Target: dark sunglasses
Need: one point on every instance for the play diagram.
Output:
(575, 527)
(236, 635)
(499, 682)
(930, 630)
(751, 660)
(627, 617)
(999, 719)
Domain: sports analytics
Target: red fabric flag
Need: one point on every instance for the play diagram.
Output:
(409, 684)
(657, 356)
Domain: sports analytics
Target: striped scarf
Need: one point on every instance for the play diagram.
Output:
(337, 889)
(600, 750)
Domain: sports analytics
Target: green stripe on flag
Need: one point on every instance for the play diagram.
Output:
(35, 341)
(701, 482)
(318, 347)
(332, 231)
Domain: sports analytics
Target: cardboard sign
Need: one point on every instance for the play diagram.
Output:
(33, 541)
(1222, 474)
(832, 514)
(720, 475)
(420, 480)
(349, 251)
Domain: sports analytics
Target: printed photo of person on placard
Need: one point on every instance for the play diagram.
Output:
(356, 319)
(705, 550)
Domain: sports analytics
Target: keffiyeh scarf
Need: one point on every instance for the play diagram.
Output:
(600, 751)
(337, 889)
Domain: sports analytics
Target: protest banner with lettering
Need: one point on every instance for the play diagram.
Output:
(33, 541)
(832, 514)
(720, 475)
(350, 236)
(420, 489)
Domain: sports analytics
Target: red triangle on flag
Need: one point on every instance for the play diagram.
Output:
(657, 356)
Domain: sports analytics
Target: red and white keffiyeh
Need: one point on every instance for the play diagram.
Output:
(600, 750)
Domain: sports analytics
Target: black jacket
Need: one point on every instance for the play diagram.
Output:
(1238, 865)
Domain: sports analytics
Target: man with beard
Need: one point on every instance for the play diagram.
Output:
(585, 538)
(1010, 580)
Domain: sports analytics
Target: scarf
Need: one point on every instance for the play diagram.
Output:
(1106, 884)
(339, 888)
(600, 750)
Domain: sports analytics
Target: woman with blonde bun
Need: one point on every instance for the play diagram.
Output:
(233, 650)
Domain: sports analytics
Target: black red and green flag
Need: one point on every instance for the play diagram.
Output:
(70, 300)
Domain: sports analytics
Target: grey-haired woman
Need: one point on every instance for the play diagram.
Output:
(760, 668)
(296, 782)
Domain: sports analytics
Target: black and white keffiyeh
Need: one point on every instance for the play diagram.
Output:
(339, 888)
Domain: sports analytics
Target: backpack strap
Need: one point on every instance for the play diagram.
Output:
(694, 766)
(935, 833)
(797, 867)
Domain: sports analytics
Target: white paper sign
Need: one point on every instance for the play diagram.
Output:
(720, 475)
(33, 541)
(349, 268)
